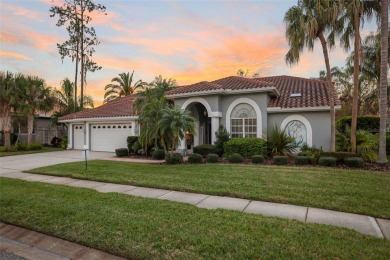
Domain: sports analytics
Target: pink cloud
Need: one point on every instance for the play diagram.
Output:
(14, 55)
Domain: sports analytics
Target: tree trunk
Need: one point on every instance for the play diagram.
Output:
(7, 127)
(76, 74)
(331, 94)
(82, 56)
(30, 128)
(383, 80)
(356, 25)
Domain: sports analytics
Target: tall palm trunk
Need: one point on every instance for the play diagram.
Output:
(331, 93)
(82, 56)
(30, 128)
(383, 80)
(356, 25)
(7, 127)
(76, 75)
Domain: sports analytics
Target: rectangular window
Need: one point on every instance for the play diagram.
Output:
(244, 127)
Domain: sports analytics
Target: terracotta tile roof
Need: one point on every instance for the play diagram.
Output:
(314, 93)
(232, 83)
(118, 107)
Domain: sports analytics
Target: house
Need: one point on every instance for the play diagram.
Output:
(247, 107)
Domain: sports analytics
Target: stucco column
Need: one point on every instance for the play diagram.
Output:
(70, 136)
(214, 128)
(87, 136)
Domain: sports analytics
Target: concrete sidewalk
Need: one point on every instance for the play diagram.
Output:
(22, 243)
(361, 223)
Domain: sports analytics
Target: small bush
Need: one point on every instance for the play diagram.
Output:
(204, 149)
(388, 144)
(222, 137)
(35, 146)
(21, 147)
(212, 158)
(55, 141)
(247, 147)
(257, 159)
(158, 154)
(327, 161)
(64, 143)
(302, 160)
(121, 152)
(354, 162)
(280, 160)
(340, 156)
(236, 158)
(195, 158)
(130, 142)
(136, 147)
(174, 158)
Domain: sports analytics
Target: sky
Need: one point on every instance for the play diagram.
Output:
(189, 41)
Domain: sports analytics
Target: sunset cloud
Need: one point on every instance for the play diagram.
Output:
(13, 55)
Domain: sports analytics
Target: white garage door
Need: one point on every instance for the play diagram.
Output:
(108, 137)
(78, 136)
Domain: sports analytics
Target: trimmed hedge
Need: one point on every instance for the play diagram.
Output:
(236, 158)
(158, 154)
(340, 156)
(257, 159)
(280, 160)
(354, 162)
(247, 147)
(368, 123)
(195, 158)
(388, 144)
(21, 146)
(212, 158)
(35, 146)
(327, 161)
(130, 142)
(302, 160)
(204, 149)
(174, 158)
(120, 152)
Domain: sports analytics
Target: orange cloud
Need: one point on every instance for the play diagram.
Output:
(14, 55)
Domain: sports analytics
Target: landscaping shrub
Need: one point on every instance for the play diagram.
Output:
(280, 160)
(158, 154)
(236, 158)
(279, 142)
(174, 158)
(21, 146)
(222, 136)
(327, 161)
(354, 162)
(212, 158)
(195, 158)
(35, 146)
(388, 144)
(64, 143)
(257, 159)
(340, 156)
(130, 142)
(247, 147)
(302, 160)
(55, 141)
(120, 152)
(204, 149)
(367, 123)
(136, 147)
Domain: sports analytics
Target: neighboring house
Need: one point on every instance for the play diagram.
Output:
(247, 107)
(104, 128)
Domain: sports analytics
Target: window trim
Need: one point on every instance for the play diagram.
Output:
(309, 131)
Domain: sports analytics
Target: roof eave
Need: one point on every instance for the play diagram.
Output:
(99, 119)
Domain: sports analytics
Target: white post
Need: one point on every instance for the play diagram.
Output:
(70, 136)
(87, 134)
(214, 128)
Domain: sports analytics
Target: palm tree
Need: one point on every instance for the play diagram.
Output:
(122, 87)
(305, 23)
(8, 100)
(383, 80)
(347, 27)
(174, 124)
(37, 97)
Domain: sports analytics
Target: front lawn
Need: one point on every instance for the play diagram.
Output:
(139, 228)
(356, 191)
(43, 150)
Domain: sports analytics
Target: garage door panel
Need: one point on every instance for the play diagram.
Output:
(78, 137)
(108, 137)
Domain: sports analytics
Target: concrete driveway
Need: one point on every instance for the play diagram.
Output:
(17, 163)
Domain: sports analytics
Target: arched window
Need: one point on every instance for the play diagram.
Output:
(297, 129)
(243, 121)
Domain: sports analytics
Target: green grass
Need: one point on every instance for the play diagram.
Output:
(139, 228)
(43, 150)
(356, 191)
